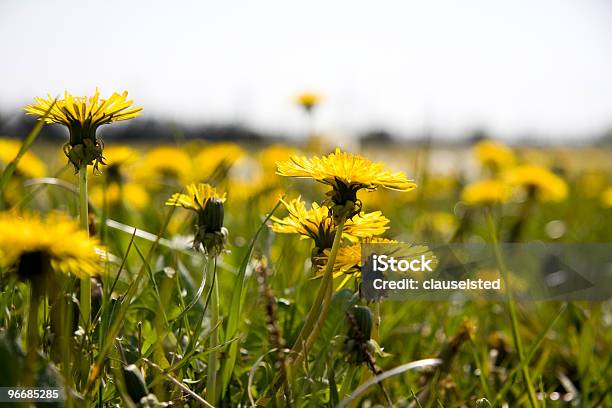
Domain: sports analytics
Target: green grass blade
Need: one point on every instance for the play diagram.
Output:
(236, 307)
(25, 146)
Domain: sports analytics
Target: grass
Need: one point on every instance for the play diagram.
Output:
(157, 309)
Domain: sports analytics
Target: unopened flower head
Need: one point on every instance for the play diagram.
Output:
(82, 116)
(208, 205)
(316, 224)
(346, 173)
(33, 246)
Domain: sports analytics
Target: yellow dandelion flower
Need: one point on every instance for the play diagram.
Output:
(308, 100)
(538, 181)
(606, 197)
(164, 164)
(349, 260)
(196, 198)
(29, 166)
(494, 155)
(208, 205)
(316, 223)
(346, 173)
(486, 192)
(82, 116)
(215, 161)
(31, 244)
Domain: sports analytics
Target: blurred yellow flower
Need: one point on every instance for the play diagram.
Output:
(606, 197)
(119, 159)
(441, 223)
(316, 223)
(82, 116)
(346, 173)
(538, 180)
(440, 186)
(592, 183)
(29, 166)
(486, 192)
(214, 161)
(120, 155)
(165, 164)
(308, 100)
(264, 190)
(269, 156)
(133, 194)
(494, 155)
(32, 244)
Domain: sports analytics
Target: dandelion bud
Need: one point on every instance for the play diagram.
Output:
(210, 219)
(135, 384)
(208, 204)
(210, 231)
(362, 323)
(356, 346)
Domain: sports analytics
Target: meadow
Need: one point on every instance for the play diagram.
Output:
(213, 274)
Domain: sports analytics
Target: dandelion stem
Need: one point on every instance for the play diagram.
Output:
(315, 319)
(211, 385)
(377, 321)
(84, 218)
(512, 309)
(32, 337)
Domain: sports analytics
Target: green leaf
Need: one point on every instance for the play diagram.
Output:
(235, 308)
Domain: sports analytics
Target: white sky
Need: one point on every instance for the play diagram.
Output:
(513, 67)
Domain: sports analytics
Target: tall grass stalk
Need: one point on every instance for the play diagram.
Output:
(512, 309)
